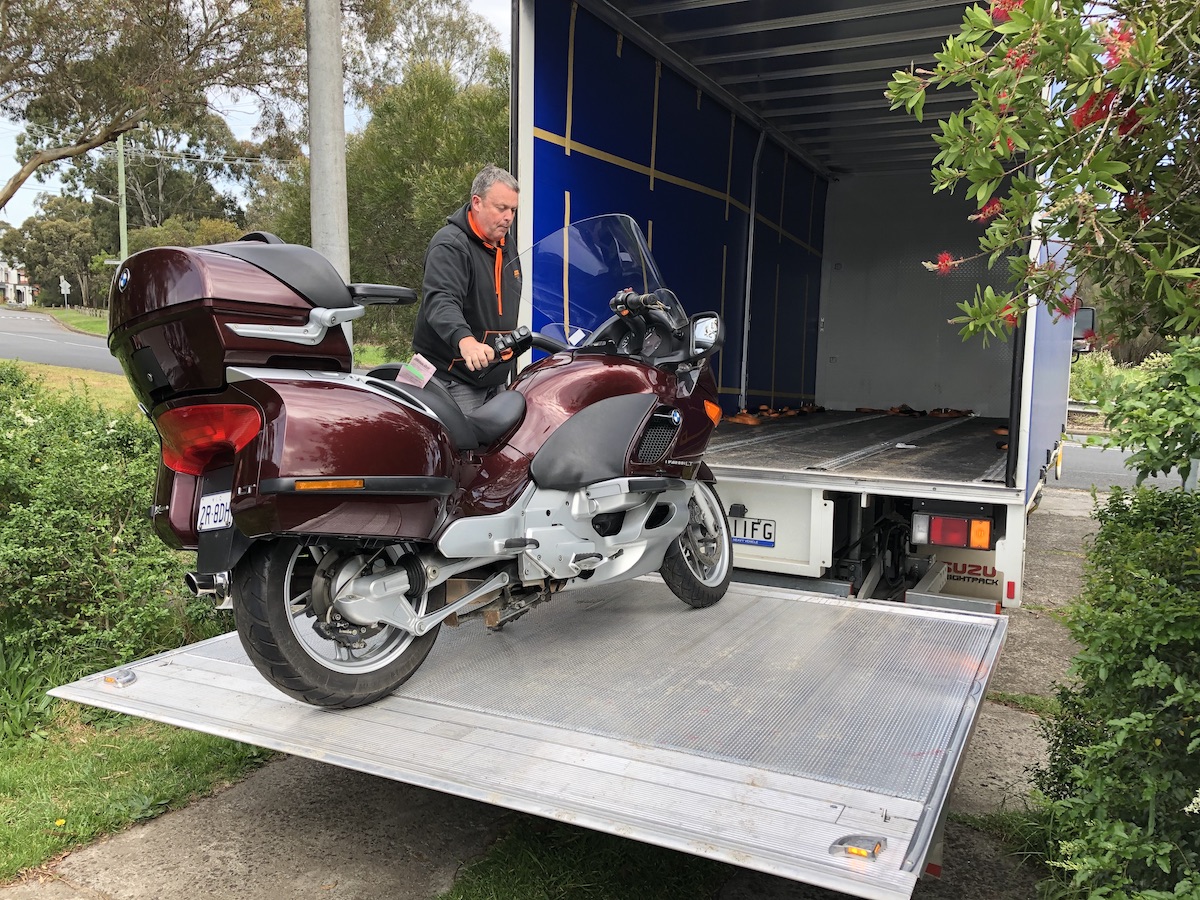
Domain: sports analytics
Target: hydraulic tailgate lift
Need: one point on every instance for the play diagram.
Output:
(768, 731)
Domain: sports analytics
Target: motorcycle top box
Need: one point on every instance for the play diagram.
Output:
(178, 317)
(332, 508)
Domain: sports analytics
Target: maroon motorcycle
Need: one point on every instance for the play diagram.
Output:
(346, 515)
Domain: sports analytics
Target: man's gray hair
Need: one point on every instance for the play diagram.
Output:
(492, 174)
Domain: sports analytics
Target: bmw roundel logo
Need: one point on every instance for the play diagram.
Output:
(676, 417)
(123, 279)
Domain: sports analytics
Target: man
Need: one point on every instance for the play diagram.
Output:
(471, 292)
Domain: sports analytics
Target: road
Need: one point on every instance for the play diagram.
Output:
(1088, 467)
(34, 337)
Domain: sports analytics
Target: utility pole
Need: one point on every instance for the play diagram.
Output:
(122, 215)
(327, 134)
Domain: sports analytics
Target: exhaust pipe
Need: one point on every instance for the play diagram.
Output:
(214, 584)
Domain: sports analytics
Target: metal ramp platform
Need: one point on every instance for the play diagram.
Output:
(763, 731)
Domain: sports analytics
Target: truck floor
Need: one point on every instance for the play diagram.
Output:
(871, 445)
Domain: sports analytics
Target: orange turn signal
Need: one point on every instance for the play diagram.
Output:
(714, 412)
(340, 484)
(981, 534)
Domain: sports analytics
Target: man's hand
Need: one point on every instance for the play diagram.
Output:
(476, 354)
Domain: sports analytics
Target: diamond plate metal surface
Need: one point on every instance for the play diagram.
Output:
(831, 700)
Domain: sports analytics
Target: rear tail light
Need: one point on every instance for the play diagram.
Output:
(952, 531)
(193, 435)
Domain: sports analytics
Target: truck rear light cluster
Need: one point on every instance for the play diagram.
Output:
(193, 435)
(952, 531)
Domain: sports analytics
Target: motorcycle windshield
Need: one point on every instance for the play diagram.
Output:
(569, 276)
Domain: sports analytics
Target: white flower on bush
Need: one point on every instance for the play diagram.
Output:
(1194, 806)
(25, 418)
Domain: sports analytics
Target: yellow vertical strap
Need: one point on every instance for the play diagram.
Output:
(566, 263)
(570, 76)
(620, 44)
(654, 124)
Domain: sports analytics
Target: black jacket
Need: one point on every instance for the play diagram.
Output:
(459, 297)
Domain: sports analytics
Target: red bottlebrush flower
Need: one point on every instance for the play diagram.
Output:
(945, 262)
(1009, 315)
(1017, 60)
(1094, 109)
(1002, 9)
(1089, 335)
(1117, 44)
(1067, 306)
(1138, 203)
(1131, 123)
(1002, 97)
(989, 211)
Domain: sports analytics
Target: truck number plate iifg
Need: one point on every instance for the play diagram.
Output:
(214, 512)
(757, 532)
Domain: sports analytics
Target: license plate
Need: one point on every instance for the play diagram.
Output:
(214, 513)
(756, 532)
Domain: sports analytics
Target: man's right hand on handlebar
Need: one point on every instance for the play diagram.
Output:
(476, 354)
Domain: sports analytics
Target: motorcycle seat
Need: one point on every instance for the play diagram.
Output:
(492, 420)
(481, 429)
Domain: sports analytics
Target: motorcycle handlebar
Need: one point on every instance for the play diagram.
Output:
(514, 343)
(629, 301)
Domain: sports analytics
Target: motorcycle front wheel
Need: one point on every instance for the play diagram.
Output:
(277, 622)
(699, 563)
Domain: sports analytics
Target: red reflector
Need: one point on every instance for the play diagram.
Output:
(193, 435)
(1012, 590)
(948, 532)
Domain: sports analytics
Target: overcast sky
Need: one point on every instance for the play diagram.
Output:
(20, 207)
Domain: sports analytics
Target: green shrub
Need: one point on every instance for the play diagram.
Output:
(83, 578)
(1124, 763)
(1092, 376)
(1154, 411)
(25, 707)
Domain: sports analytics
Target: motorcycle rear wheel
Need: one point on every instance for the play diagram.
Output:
(699, 563)
(272, 606)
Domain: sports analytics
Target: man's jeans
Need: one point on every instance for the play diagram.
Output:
(468, 397)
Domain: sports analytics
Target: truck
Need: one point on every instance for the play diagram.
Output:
(757, 151)
(810, 725)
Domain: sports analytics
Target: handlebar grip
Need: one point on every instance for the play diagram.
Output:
(629, 301)
(513, 343)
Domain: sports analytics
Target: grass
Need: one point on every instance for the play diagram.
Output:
(91, 322)
(539, 860)
(94, 773)
(110, 391)
(1031, 703)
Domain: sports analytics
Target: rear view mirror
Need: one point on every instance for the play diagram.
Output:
(707, 334)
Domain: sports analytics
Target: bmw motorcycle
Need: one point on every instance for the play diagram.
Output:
(347, 516)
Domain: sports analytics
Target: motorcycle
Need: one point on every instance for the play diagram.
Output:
(336, 511)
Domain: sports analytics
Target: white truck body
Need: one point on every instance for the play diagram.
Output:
(755, 148)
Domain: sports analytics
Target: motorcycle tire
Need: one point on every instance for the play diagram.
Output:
(699, 563)
(271, 590)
